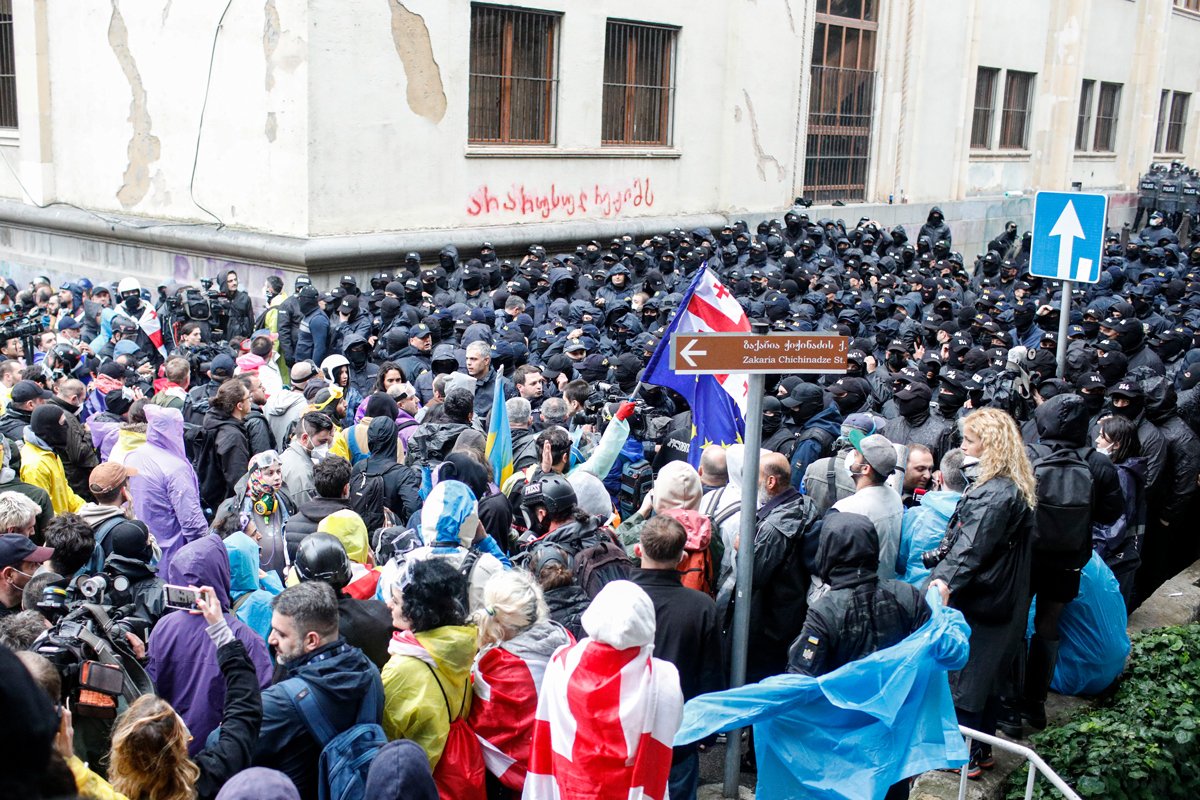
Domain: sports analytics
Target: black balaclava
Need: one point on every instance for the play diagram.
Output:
(357, 355)
(772, 416)
(1092, 401)
(1111, 366)
(132, 303)
(914, 405)
(132, 541)
(950, 400)
(49, 423)
(1131, 411)
(307, 302)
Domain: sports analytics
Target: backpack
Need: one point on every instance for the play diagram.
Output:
(1064, 500)
(460, 772)
(209, 474)
(698, 566)
(821, 436)
(465, 569)
(600, 562)
(95, 564)
(346, 756)
(194, 438)
(368, 498)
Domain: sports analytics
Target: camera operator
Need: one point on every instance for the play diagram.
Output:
(19, 559)
(241, 309)
(72, 541)
(13, 350)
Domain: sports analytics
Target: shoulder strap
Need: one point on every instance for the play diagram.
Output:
(445, 699)
(366, 711)
(729, 511)
(309, 708)
(107, 526)
(406, 424)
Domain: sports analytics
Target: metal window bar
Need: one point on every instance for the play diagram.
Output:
(513, 80)
(1085, 116)
(1106, 117)
(1177, 122)
(8, 69)
(1014, 118)
(985, 107)
(1036, 765)
(639, 84)
(1160, 128)
(841, 105)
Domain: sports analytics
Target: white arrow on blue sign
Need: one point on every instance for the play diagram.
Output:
(1068, 236)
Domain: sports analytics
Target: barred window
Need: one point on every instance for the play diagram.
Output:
(639, 84)
(8, 68)
(1018, 105)
(1106, 117)
(1083, 126)
(985, 107)
(1177, 122)
(513, 76)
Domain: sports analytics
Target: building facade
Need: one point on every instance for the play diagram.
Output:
(171, 138)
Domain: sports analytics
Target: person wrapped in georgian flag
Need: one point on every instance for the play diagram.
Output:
(608, 710)
(517, 639)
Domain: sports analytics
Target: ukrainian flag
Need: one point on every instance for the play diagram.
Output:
(499, 438)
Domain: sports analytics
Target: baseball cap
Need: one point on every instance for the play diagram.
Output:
(223, 364)
(866, 423)
(418, 331)
(1090, 380)
(264, 332)
(575, 347)
(1126, 388)
(876, 450)
(302, 371)
(105, 478)
(16, 549)
(68, 323)
(404, 391)
(24, 391)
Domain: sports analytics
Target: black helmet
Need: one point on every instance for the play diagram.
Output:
(321, 557)
(553, 492)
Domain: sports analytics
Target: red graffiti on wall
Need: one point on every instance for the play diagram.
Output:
(595, 200)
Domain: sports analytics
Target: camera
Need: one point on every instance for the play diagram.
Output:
(21, 328)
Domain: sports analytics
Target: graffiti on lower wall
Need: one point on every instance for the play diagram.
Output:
(559, 202)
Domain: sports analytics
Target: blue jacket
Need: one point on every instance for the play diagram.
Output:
(250, 594)
(809, 449)
(922, 530)
(314, 337)
(340, 675)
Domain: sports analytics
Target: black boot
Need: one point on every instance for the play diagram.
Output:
(1043, 655)
(1008, 719)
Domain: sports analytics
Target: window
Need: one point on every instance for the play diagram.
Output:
(1164, 101)
(513, 76)
(1190, 5)
(1177, 122)
(985, 107)
(1085, 115)
(8, 69)
(841, 101)
(1014, 117)
(639, 84)
(1106, 118)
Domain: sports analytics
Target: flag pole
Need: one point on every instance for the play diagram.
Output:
(745, 571)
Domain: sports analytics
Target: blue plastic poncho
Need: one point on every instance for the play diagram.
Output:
(1093, 641)
(922, 530)
(853, 732)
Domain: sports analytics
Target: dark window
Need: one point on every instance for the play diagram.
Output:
(639, 84)
(1177, 123)
(985, 107)
(1190, 5)
(1018, 103)
(1084, 123)
(513, 76)
(1164, 102)
(841, 100)
(8, 68)
(1106, 117)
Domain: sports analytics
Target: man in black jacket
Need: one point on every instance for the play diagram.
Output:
(309, 644)
(686, 631)
(1062, 423)
(225, 427)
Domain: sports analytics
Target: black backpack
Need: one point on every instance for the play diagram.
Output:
(369, 499)
(1064, 500)
(208, 473)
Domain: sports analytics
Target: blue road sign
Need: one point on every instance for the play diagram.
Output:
(1068, 236)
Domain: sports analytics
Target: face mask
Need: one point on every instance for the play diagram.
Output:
(1106, 450)
(949, 405)
(896, 362)
(319, 453)
(770, 424)
(849, 467)
(1092, 402)
(131, 303)
(1129, 412)
(911, 407)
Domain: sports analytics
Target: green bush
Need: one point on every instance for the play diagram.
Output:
(1145, 741)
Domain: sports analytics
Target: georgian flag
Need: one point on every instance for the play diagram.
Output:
(605, 722)
(152, 327)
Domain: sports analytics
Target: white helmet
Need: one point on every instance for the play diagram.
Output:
(129, 285)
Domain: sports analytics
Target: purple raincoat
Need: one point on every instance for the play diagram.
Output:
(104, 431)
(183, 660)
(166, 495)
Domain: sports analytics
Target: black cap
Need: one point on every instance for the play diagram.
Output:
(24, 391)
(1127, 388)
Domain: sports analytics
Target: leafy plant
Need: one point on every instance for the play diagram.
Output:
(1143, 743)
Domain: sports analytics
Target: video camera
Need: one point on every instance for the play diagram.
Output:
(87, 646)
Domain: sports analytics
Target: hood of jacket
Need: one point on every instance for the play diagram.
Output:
(827, 419)
(1063, 418)
(941, 503)
(343, 676)
(244, 559)
(538, 642)
(281, 403)
(351, 531)
(1161, 399)
(164, 429)
(399, 771)
(94, 513)
(453, 648)
(848, 553)
(202, 562)
(444, 352)
(381, 443)
(621, 616)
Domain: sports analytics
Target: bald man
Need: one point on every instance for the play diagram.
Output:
(777, 597)
(714, 471)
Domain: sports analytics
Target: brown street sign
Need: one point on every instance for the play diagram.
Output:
(722, 353)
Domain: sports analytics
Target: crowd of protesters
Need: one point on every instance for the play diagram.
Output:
(317, 476)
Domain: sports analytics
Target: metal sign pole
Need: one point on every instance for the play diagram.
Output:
(745, 571)
(1064, 322)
